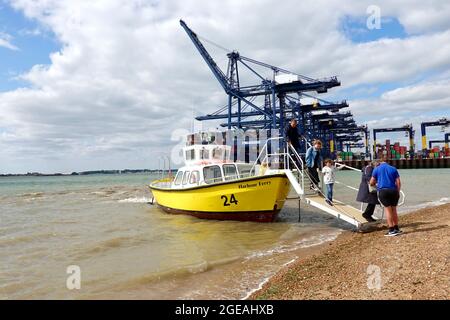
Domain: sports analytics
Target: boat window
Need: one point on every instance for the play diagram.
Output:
(190, 154)
(190, 140)
(186, 177)
(217, 153)
(179, 177)
(212, 174)
(195, 177)
(204, 154)
(230, 172)
(244, 170)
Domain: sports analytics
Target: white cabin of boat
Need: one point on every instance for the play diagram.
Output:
(207, 161)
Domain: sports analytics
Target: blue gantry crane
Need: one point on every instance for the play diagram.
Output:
(445, 141)
(352, 133)
(277, 90)
(407, 128)
(443, 122)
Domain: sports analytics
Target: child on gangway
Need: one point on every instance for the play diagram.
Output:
(329, 178)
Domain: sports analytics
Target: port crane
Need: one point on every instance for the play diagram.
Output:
(277, 93)
(407, 128)
(342, 131)
(443, 122)
(445, 141)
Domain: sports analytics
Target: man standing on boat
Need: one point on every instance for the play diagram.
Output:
(388, 183)
(314, 162)
(292, 135)
(293, 138)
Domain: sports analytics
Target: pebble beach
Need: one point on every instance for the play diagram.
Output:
(414, 265)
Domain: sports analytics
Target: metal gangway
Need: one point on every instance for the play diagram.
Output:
(292, 165)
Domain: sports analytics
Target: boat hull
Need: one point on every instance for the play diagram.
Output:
(252, 199)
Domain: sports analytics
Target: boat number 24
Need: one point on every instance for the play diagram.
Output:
(227, 202)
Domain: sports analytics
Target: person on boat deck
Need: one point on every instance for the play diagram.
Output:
(292, 135)
(388, 183)
(365, 195)
(314, 163)
(329, 178)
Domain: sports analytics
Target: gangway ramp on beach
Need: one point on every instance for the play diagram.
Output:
(294, 183)
(298, 176)
(339, 210)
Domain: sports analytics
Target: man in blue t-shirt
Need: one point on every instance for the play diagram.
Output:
(388, 183)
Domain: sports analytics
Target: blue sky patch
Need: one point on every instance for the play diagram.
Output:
(355, 29)
(34, 44)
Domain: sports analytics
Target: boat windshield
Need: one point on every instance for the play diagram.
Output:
(179, 177)
(244, 169)
(230, 172)
(195, 177)
(212, 174)
(186, 177)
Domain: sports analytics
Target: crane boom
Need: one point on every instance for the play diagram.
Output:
(218, 73)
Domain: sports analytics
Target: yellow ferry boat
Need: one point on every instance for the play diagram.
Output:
(211, 186)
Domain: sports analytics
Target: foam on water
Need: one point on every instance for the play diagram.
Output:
(266, 279)
(136, 200)
(407, 209)
(310, 241)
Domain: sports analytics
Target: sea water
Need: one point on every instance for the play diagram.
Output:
(127, 248)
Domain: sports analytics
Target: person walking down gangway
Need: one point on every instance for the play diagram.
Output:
(329, 178)
(387, 180)
(367, 193)
(292, 135)
(314, 163)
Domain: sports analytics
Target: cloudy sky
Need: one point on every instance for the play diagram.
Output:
(90, 85)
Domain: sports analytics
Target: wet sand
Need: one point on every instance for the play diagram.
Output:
(413, 265)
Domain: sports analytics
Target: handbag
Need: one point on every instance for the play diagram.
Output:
(372, 189)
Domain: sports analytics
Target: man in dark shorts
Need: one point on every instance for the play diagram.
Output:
(388, 183)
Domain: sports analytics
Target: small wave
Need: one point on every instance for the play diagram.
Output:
(32, 194)
(428, 204)
(302, 243)
(109, 244)
(198, 268)
(13, 240)
(135, 200)
(265, 280)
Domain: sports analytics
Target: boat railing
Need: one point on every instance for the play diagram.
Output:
(289, 158)
(213, 180)
(165, 183)
(264, 149)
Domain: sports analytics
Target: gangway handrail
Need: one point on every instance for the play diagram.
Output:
(402, 194)
(347, 186)
(299, 158)
(403, 198)
(261, 152)
(307, 143)
(349, 167)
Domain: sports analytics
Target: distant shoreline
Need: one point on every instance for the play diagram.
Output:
(81, 173)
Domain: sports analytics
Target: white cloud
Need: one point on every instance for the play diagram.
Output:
(127, 75)
(5, 41)
(430, 96)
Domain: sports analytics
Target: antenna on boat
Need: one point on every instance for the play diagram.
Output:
(193, 118)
